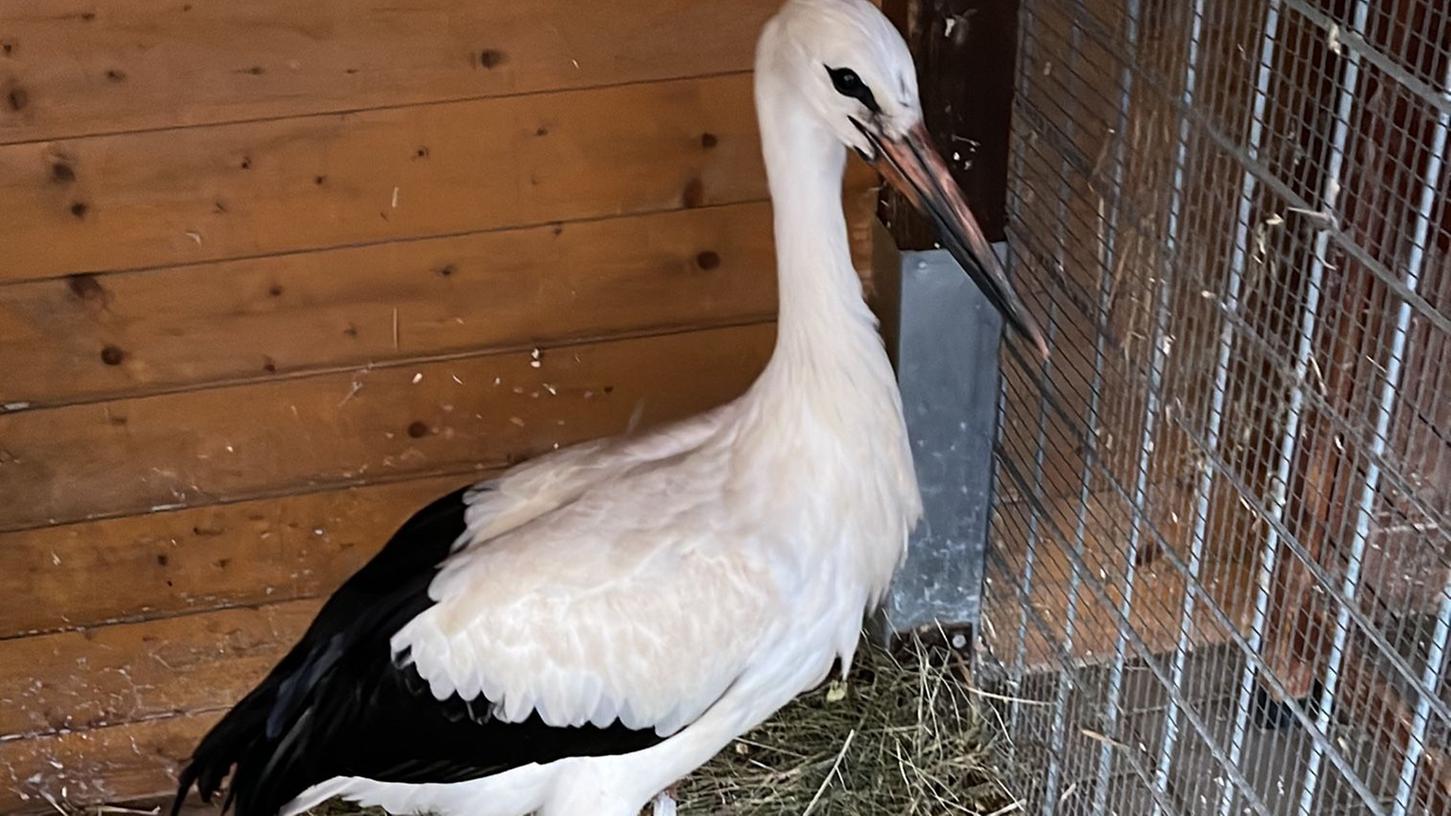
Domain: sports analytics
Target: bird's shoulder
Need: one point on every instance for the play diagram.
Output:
(540, 486)
(635, 601)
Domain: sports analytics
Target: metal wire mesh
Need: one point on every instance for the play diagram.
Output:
(1219, 574)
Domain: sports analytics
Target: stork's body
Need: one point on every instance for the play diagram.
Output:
(578, 634)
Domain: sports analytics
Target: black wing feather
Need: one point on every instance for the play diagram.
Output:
(338, 705)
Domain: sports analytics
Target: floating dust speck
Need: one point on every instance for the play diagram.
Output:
(352, 392)
(418, 378)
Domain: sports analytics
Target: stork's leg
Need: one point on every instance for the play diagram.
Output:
(664, 804)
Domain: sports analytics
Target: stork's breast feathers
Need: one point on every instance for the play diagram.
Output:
(590, 619)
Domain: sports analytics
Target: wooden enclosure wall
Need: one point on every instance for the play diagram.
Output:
(274, 274)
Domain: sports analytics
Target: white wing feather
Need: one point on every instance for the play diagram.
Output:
(631, 599)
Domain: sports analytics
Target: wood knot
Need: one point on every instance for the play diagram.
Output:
(707, 260)
(113, 355)
(418, 429)
(492, 58)
(708, 140)
(17, 99)
(62, 173)
(693, 195)
(86, 287)
(79, 209)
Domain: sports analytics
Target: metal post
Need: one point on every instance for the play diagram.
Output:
(1058, 729)
(1331, 190)
(1158, 353)
(1181, 158)
(1237, 263)
(1018, 670)
(1436, 658)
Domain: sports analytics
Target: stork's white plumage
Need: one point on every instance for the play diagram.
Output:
(578, 634)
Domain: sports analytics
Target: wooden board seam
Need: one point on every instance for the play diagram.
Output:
(563, 342)
(24, 736)
(295, 489)
(406, 239)
(471, 474)
(101, 134)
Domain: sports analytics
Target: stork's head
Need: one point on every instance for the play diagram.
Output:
(849, 65)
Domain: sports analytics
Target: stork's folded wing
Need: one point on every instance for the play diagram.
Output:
(631, 603)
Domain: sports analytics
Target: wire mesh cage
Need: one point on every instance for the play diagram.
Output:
(1218, 581)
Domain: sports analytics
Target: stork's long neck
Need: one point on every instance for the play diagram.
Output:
(829, 382)
(824, 329)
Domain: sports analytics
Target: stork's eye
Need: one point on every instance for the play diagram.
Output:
(847, 83)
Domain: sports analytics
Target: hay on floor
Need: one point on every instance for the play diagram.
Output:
(900, 736)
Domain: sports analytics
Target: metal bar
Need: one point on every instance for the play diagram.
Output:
(1355, 41)
(1436, 658)
(1126, 83)
(1238, 260)
(1098, 587)
(1018, 670)
(1345, 100)
(1065, 665)
(1166, 288)
(1252, 500)
(1439, 319)
(1059, 727)
(1430, 681)
(1052, 135)
(1368, 797)
(1040, 445)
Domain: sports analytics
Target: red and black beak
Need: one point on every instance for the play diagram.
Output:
(914, 167)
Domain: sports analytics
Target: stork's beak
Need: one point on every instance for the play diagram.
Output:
(913, 166)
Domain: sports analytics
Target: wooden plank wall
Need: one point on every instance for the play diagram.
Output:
(274, 274)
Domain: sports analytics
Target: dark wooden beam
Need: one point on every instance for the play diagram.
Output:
(966, 53)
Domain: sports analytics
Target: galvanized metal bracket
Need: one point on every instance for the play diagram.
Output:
(946, 351)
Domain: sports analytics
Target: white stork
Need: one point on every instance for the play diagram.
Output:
(578, 634)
